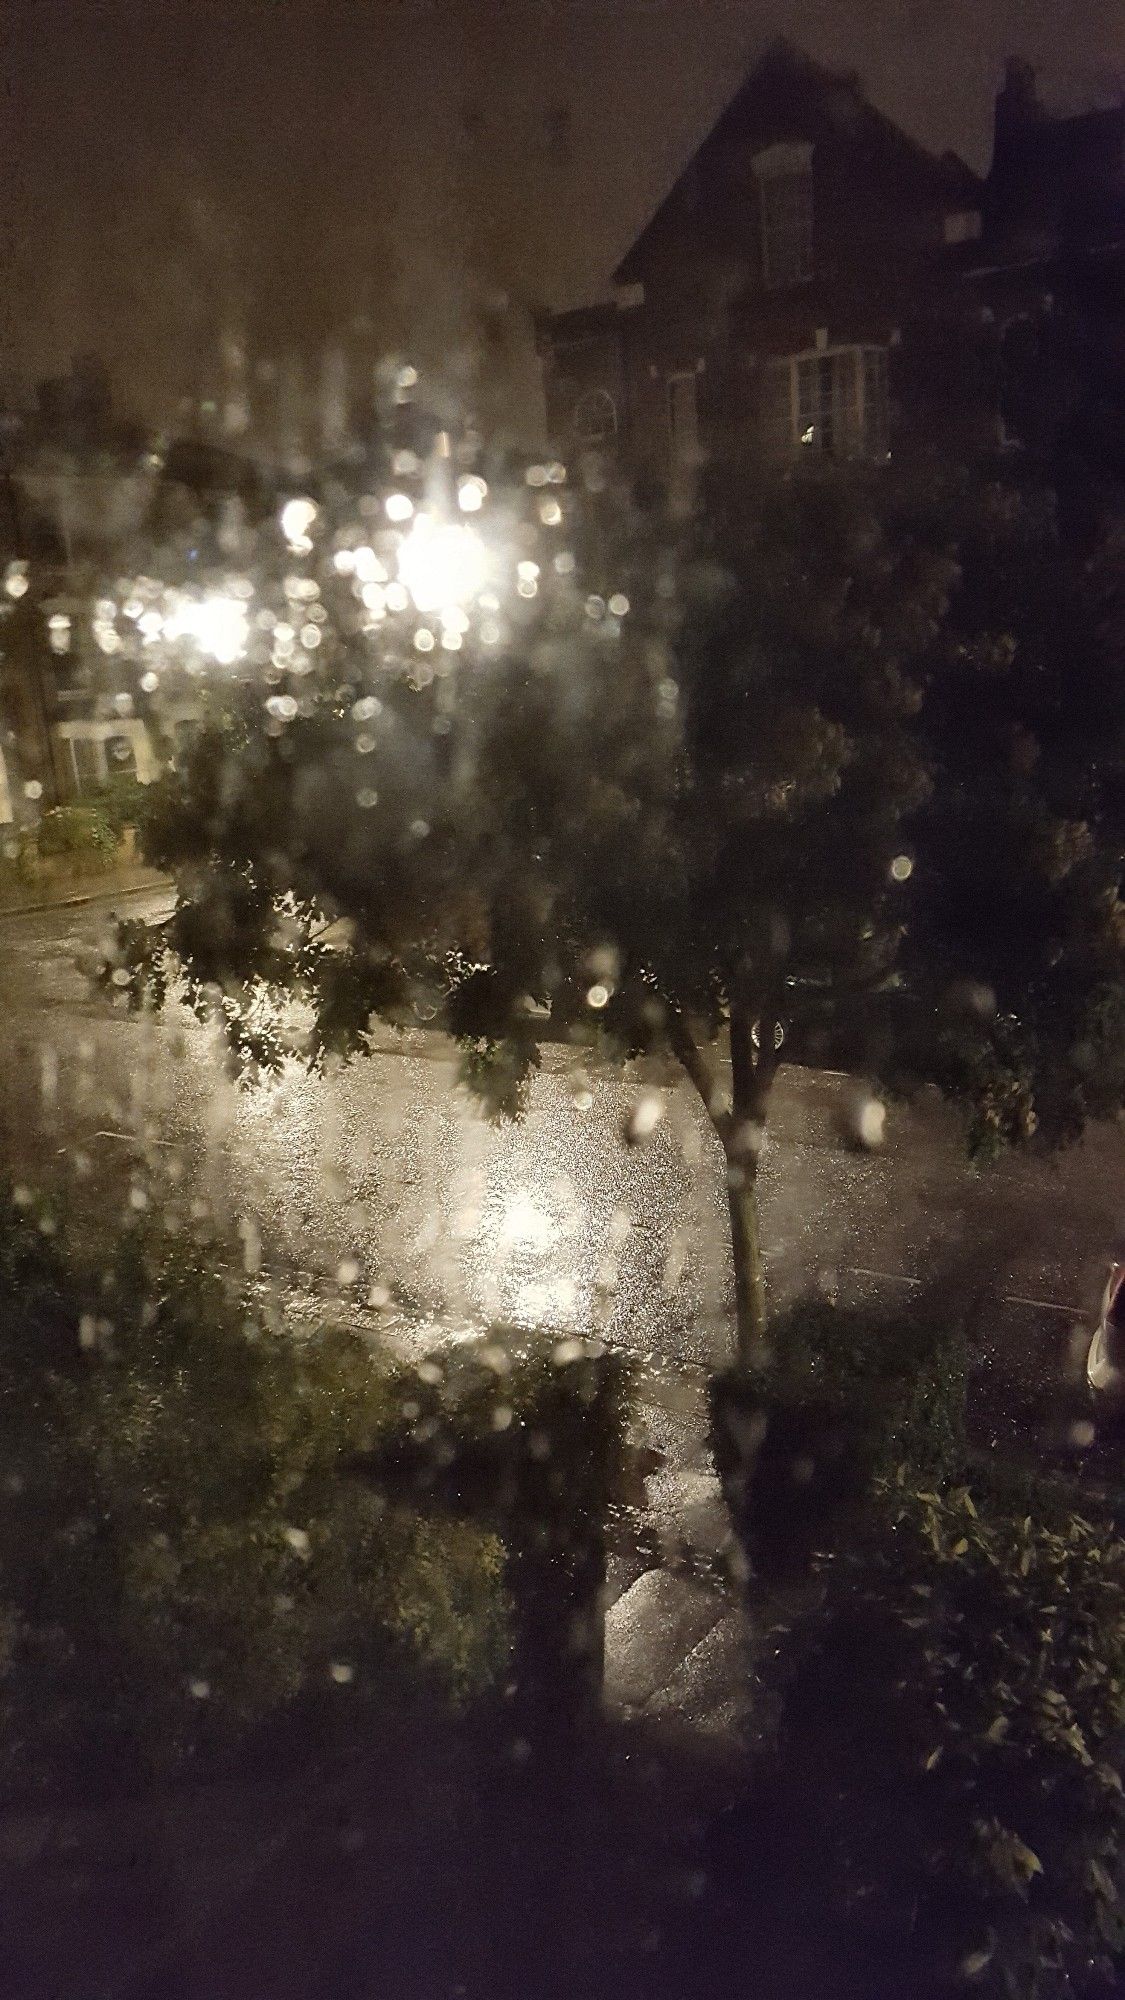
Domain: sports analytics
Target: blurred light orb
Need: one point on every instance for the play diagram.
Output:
(16, 579)
(297, 517)
(550, 513)
(399, 506)
(471, 494)
(619, 604)
(440, 564)
(597, 997)
(216, 625)
(902, 868)
(367, 566)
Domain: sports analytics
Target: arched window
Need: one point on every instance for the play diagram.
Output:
(595, 418)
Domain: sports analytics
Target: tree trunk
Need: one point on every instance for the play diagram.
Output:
(752, 1073)
(749, 1274)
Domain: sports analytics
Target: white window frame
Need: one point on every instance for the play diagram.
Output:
(788, 162)
(99, 734)
(871, 437)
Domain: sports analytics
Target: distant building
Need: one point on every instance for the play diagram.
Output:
(768, 308)
(1047, 277)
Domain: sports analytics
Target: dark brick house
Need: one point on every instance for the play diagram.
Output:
(1047, 277)
(795, 291)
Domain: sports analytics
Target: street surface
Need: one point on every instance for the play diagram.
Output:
(380, 1194)
(383, 1184)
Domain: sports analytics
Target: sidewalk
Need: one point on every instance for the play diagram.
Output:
(70, 892)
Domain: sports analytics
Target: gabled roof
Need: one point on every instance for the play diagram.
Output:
(834, 97)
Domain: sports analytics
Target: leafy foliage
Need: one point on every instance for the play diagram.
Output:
(950, 1741)
(122, 800)
(81, 834)
(845, 761)
(181, 1558)
(854, 1396)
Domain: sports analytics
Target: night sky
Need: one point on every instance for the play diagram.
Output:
(329, 157)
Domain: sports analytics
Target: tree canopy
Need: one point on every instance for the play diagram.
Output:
(840, 772)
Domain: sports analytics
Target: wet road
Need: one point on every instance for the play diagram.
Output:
(383, 1182)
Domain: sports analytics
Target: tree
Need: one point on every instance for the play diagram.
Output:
(583, 776)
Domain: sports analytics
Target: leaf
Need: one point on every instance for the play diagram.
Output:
(974, 1964)
(996, 1731)
(960, 1548)
(1103, 1881)
(934, 1758)
(1024, 1859)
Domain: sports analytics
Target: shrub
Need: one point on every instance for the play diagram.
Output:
(121, 801)
(181, 1561)
(853, 1395)
(80, 834)
(948, 1748)
(534, 1441)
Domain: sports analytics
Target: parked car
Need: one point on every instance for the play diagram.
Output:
(1105, 1363)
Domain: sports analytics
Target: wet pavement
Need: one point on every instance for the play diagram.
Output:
(383, 1183)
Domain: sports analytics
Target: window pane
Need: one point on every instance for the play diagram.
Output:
(775, 408)
(876, 425)
(683, 419)
(89, 771)
(120, 757)
(787, 228)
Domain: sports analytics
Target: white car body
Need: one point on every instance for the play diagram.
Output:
(1105, 1363)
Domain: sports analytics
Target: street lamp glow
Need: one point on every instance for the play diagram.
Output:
(441, 565)
(216, 625)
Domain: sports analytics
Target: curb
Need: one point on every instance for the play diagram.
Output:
(92, 896)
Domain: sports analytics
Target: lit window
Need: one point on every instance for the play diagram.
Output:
(832, 402)
(785, 190)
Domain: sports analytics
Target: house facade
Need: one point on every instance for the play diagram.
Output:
(817, 283)
(793, 293)
(1046, 279)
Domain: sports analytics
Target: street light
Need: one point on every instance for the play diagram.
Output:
(441, 564)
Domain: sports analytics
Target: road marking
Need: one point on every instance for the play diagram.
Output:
(1044, 1305)
(1003, 1298)
(134, 1139)
(888, 1277)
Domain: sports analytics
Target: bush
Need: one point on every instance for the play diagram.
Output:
(121, 801)
(946, 1764)
(80, 834)
(181, 1560)
(853, 1396)
(534, 1441)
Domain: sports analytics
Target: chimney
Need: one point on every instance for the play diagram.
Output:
(1017, 104)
